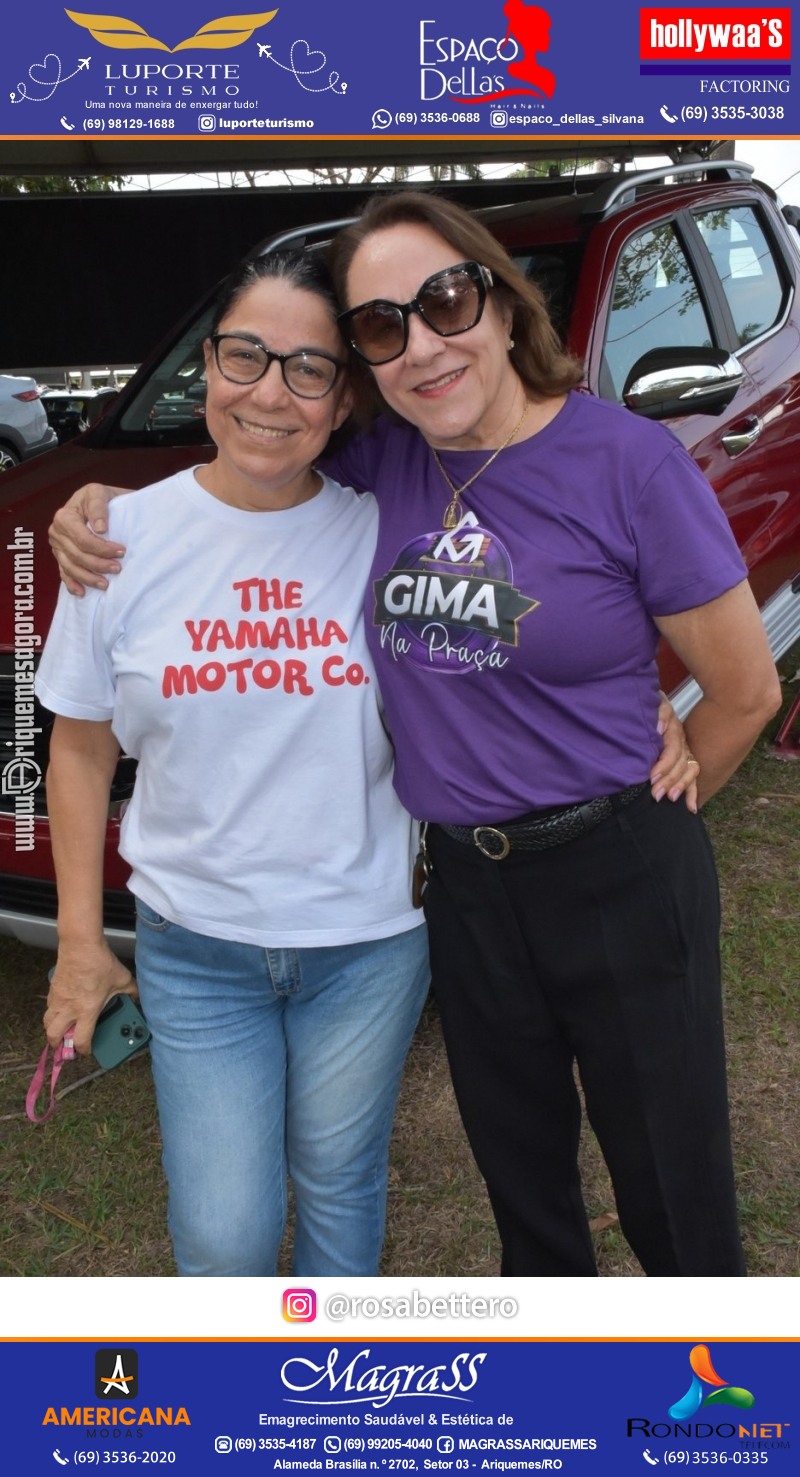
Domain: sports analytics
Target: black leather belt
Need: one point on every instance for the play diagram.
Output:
(552, 830)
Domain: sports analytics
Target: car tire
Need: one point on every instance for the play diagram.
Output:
(8, 458)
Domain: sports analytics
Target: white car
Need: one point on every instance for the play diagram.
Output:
(70, 412)
(24, 428)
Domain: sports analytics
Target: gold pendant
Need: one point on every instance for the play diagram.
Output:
(452, 514)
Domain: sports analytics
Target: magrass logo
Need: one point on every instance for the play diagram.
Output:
(116, 1374)
(703, 1375)
(357, 1381)
(126, 35)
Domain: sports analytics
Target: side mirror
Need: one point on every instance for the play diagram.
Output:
(680, 381)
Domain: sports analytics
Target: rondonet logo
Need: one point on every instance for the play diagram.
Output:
(723, 34)
(707, 1388)
(707, 1392)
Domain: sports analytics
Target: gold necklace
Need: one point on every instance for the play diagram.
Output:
(453, 512)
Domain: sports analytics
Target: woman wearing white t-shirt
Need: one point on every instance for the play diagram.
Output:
(274, 831)
(281, 964)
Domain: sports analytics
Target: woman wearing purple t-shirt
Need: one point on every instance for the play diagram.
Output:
(534, 543)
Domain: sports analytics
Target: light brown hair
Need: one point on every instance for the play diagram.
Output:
(537, 355)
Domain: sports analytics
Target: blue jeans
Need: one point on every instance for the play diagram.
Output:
(270, 1062)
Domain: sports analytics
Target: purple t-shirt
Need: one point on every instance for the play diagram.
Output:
(516, 656)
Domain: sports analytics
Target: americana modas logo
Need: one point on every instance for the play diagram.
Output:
(126, 35)
(116, 1374)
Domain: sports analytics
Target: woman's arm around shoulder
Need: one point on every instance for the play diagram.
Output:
(85, 558)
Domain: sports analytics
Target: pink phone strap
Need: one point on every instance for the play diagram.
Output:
(64, 1052)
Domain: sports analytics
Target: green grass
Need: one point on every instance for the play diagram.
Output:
(84, 1195)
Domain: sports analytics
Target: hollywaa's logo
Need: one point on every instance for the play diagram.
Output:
(730, 33)
(527, 36)
(125, 35)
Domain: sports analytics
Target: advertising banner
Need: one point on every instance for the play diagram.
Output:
(387, 1408)
(600, 1377)
(306, 69)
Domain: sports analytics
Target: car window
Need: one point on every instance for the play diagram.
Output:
(170, 406)
(742, 256)
(553, 269)
(655, 304)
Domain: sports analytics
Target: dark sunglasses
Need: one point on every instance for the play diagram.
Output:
(450, 302)
(309, 373)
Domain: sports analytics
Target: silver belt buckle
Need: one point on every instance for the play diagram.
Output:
(495, 836)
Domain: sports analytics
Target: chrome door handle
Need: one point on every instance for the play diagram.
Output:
(735, 442)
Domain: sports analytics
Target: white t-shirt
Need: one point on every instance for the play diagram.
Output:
(230, 656)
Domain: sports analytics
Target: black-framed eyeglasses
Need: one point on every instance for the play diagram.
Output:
(450, 302)
(243, 359)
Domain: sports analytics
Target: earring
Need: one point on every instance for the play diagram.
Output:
(510, 344)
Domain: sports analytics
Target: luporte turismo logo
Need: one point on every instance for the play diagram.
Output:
(126, 35)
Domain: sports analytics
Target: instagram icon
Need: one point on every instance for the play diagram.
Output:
(299, 1305)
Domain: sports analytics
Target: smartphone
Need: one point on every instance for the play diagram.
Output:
(121, 1030)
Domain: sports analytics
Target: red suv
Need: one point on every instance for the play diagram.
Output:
(677, 286)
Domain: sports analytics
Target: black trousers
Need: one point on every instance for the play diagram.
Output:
(603, 951)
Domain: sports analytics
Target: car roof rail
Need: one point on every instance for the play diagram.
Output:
(316, 234)
(622, 189)
(619, 189)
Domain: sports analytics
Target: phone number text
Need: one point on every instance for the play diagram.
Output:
(437, 117)
(101, 1458)
(130, 125)
(696, 1458)
(699, 113)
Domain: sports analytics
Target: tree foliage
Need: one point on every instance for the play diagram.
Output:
(60, 184)
(551, 168)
